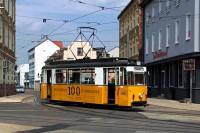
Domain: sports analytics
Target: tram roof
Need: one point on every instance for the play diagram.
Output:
(83, 63)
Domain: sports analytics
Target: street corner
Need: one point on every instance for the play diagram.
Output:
(19, 98)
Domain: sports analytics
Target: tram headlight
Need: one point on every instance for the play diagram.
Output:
(140, 96)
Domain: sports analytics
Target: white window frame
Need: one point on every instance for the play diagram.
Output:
(177, 3)
(159, 39)
(188, 27)
(147, 18)
(167, 35)
(168, 6)
(160, 6)
(177, 32)
(153, 42)
(1, 30)
(147, 46)
(153, 15)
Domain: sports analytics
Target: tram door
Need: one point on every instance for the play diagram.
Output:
(111, 85)
(49, 77)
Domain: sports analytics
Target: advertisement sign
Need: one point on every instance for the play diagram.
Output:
(189, 65)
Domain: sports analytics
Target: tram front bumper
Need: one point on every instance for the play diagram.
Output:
(139, 103)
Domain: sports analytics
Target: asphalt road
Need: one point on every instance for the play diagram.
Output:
(70, 118)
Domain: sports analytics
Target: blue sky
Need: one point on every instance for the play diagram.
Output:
(30, 26)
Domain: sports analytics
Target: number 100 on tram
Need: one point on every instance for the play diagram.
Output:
(112, 81)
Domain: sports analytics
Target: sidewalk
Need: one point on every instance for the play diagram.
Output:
(18, 98)
(173, 104)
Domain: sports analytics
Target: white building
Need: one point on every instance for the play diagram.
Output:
(37, 57)
(22, 71)
(79, 50)
(114, 52)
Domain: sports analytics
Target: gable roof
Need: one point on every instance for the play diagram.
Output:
(57, 43)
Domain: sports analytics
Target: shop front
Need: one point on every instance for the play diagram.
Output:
(175, 79)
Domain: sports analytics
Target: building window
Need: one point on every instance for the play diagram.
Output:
(80, 51)
(10, 8)
(147, 46)
(6, 34)
(1, 30)
(6, 2)
(159, 40)
(188, 27)
(153, 42)
(176, 32)
(167, 35)
(177, 3)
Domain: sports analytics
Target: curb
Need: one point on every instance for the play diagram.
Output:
(174, 107)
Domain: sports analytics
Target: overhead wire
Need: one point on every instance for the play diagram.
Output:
(95, 5)
(79, 18)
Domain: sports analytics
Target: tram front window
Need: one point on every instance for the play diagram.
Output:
(131, 80)
(136, 78)
(139, 79)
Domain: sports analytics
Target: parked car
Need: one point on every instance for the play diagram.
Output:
(20, 89)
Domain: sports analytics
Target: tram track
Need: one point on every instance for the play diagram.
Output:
(93, 117)
(51, 121)
(136, 120)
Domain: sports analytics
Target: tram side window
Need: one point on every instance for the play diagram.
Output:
(74, 76)
(111, 76)
(123, 76)
(87, 76)
(105, 76)
(60, 76)
(42, 76)
(117, 76)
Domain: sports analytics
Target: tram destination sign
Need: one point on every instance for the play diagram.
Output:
(189, 65)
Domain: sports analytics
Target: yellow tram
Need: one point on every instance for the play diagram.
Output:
(112, 81)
